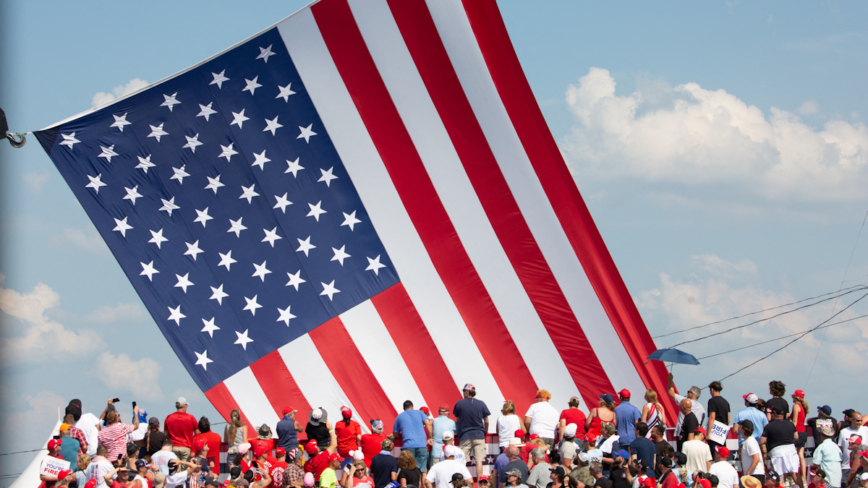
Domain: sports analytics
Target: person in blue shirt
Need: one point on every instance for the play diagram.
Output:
(752, 413)
(626, 416)
(472, 416)
(410, 426)
(442, 424)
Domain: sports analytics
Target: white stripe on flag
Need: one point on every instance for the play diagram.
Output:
(453, 186)
(376, 346)
(315, 380)
(250, 398)
(384, 206)
(460, 43)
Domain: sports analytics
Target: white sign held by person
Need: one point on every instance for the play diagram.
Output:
(51, 466)
(718, 433)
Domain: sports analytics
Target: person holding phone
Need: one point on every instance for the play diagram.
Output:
(114, 434)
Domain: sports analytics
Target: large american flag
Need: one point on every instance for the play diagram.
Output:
(359, 206)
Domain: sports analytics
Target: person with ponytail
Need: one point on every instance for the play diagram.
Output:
(797, 416)
(236, 432)
(349, 434)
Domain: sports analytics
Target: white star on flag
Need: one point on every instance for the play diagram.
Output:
(239, 118)
(265, 53)
(261, 271)
(122, 226)
(218, 80)
(236, 226)
(251, 304)
(169, 205)
(375, 265)
(272, 125)
(193, 250)
(145, 163)
(108, 152)
(282, 202)
(148, 270)
(243, 340)
(329, 289)
(327, 176)
(202, 359)
(316, 210)
(180, 174)
(120, 122)
(95, 182)
(206, 111)
(157, 131)
(340, 255)
(271, 236)
(252, 85)
(295, 279)
(293, 167)
(260, 161)
(192, 143)
(176, 315)
(171, 101)
(350, 220)
(305, 245)
(285, 315)
(69, 140)
(218, 294)
(214, 183)
(248, 193)
(285, 92)
(226, 260)
(203, 217)
(132, 194)
(228, 152)
(157, 238)
(306, 133)
(210, 327)
(183, 282)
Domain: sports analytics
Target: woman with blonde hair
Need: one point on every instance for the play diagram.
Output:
(652, 412)
(359, 475)
(800, 409)
(236, 432)
(603, 414)
(508, 424)
(408, 472)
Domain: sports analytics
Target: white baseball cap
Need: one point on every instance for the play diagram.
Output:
(448, 435)
(570, 430)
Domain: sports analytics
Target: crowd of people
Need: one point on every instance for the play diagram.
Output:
(616, 445)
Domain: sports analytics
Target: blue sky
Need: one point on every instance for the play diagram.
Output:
(721, 148)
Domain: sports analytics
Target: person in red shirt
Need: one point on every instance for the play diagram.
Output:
(348, 433)
(572, 415)
(278, 467)
(180, 427)
(317, 463)
(264, 439)
(122, 480)
(212, 440)
(49, 481)
(667, 478)
(371, 443)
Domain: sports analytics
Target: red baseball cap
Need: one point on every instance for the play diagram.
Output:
(288, 410)
(702, 430)
(650, 482)
(799, 393)
(723, 451)
(90, 484)
(519, 433)
(259, 450)
(704, 483)
(483, 478)
(280, 452)
(311, 447)
(625, 393)
(54, 443)
(199, 445)
(425, 409)
(63, 474)
(855, 439)
(444, 408)
(346, 412)
(534, 436)
(335, 457)
(863, 454)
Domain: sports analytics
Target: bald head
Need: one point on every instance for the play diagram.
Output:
(512, 452)
(686, 406)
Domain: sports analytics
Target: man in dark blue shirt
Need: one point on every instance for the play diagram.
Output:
(384, 467)
(287, 430)
(644, 448)
(472, 416)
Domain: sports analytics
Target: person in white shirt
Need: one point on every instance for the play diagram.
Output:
(89, 424)
(440, 474)
(855, 429)
(542, 418)
(698, 456)
(696, 408)
(162, 457)
(507, 424)
(751, 455)
(727, 476)
(99, 466)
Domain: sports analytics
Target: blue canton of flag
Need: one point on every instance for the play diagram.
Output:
(224, 200)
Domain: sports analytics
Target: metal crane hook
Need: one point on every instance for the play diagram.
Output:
(11, 137)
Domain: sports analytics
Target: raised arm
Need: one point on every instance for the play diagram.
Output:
(333, 440)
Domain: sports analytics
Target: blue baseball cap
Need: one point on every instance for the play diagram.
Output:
(607, 398)
(624, 454)
(825, 409)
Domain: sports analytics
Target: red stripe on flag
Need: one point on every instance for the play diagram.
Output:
(279, 386)
(576, 220)
(224, 403)
(416, 346)
(421, 37)
(352, 373)
(417, 192)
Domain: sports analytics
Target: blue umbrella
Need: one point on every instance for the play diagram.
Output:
(673, 356)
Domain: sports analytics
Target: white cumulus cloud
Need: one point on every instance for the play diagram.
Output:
(41, 336)
(127, 312)
(694, 136)
(102, 98)
(87, 239)
(141, 378)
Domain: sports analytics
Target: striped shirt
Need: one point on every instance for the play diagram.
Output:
(114, 438)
